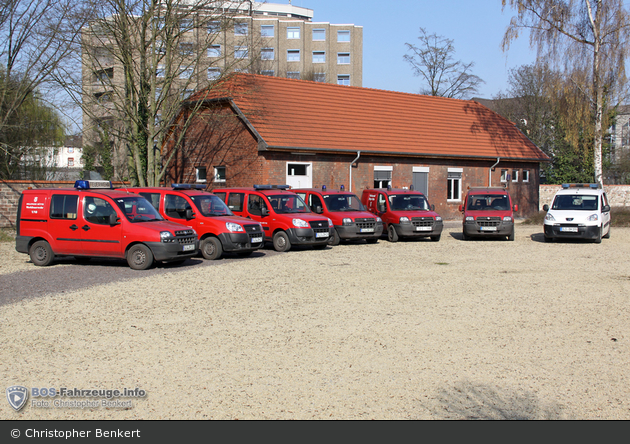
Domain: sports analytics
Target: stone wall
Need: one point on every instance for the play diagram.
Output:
(618, 195)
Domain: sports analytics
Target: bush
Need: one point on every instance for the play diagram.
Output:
(619, 217)
(7, 235)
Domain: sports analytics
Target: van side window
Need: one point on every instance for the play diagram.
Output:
(314, 201)
(255, 204)
(63, 206)
(235, 201)
(176, 206)
(154, 198)
(97, 210)
(381, 204)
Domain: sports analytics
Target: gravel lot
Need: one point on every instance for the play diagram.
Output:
(412, 330)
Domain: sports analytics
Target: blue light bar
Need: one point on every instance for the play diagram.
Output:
(580, 185)
(188, 186)
(271, 187)
(342, 188)
(323, 187)
(93, 184)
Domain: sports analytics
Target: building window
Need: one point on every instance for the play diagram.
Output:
(214, 27)
(70, 150)
(319, 57)
(219, 174)
(160, 72)
(185, 73)
(382, 176)
(454, 184)
(185, 25)
(104, 76)
(214, 51)
(319, 77)
(293, 32)
(187, 93)
(504, 176)
(514, 175)
(319, 35)
(186, 49)
(525, 175)
(240, 52)
(267, 54)
(70, 161)
(268, 72)
(343, 36)
(200, 174)
(267, 30)
(343, 79)
(293, 55)
(343, 58)
(293, 75)
(241, 28)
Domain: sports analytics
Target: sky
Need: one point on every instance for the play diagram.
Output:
(475, 26)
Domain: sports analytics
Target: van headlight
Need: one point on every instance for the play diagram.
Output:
(438, 218)
(469, 218)
(507, 219)
(550, 217)
(379, 220)
(167, 236)
(347, 221)
(404, 220)
(234, 228)
(300, 223)
(592, 218)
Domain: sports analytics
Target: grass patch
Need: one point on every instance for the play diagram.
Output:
(619, 217)
(7, 235)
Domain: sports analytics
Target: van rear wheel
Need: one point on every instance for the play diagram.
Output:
(41, 253)
(139, 257)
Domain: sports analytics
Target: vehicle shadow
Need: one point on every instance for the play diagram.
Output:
(470, 401)
(538, 237)
(460, 236)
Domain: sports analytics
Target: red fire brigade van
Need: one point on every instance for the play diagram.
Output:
(219, 230)
(285, 217)
(488, 212)
(93, 220)
(406, 213)
(351, 219)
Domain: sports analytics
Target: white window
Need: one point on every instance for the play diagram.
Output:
(185, 73)
(343, 36)
(200, 174)
(293, 32)
(70, 150)
(293, 75)
(267, 30)
(241, 28)
(343, 58)
(343, 79)
(293, 55)
(186, 48)
(525, 175)
(382, 176)
(214, 27)
(219, 174)
(454, 184)
(504, 176)
(240, 52)
(319, 35)
(319, 57)
(214, 51)
(267, 54)
(514, 175)
(160, 72)
(319, 77)
(214, 73)
(268, 72)
(70, 161)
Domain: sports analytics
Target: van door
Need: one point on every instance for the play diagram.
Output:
(176, 208)
(99, 238)
(64, 224)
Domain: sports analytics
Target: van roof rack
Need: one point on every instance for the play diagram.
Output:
(188, 186)
(272, 187)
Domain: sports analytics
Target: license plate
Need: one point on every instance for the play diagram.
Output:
(189, 247)
(488, 228)
(367, 230)
(255, 240)
(424, 228)
(322, 234)
(569, 229)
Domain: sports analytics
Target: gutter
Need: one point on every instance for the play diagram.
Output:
(490, 172)
(350, 168)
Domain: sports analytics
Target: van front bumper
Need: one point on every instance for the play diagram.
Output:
(354, 232)
(473, 229)
(241, 241)
(566, 231)
(308, 236)
(172, 251)
(410, 230)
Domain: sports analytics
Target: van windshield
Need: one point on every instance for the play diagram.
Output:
(288, 203)
(210, 205)
(138, 209)
(488, 202)
(575, 202)
(404, 202)
(343, 202)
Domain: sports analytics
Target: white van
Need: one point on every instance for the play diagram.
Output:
(578, 211)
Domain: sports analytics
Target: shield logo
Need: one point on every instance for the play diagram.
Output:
(17, 396)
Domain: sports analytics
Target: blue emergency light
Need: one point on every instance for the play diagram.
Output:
(342, 188)
(188, 186)
(323, 187)
(93, 184)
(271, 187)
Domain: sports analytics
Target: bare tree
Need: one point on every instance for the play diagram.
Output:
(586, 36)
(433, 60)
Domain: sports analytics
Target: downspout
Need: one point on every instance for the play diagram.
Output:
(358, 155)
(490, 172)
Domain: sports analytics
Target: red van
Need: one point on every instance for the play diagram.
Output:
(406, 213)
(284, 216)
(488, 212)
(94, 220)
(219, 230)
(350, 218)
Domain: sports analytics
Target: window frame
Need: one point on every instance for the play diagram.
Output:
(319, 53)
(454, 193)
(293, 52)
(201, 174)
(263, 33)
(319, 30)
(241, 29)
(343, 32)
(269, 50)
(292, 31)
(217, 175)
(343, 78)
(525, 176)
(214, 51)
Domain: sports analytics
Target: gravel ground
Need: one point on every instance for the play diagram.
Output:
(412, 330)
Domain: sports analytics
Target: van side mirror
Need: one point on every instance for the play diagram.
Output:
(319, 210)
(264, 211)
(432, 207)
(515, 207)
(606, 209)
(461, 208)
(545, 207)
(380, 208)
(113, 219)
(189, 214)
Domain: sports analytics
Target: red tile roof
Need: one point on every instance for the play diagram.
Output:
(303, 115)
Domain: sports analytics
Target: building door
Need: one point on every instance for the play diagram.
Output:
(299, 174)
(421, 180)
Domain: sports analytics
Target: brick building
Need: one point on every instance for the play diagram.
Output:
(253, 129)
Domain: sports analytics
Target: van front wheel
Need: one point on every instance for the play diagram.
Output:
(211, 248)
(41, 253)
(281, 241)
(139, 257)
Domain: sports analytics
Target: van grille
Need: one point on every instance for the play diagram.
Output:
(488, 221)
(185, 237)
(319, 224)
(422, 221)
